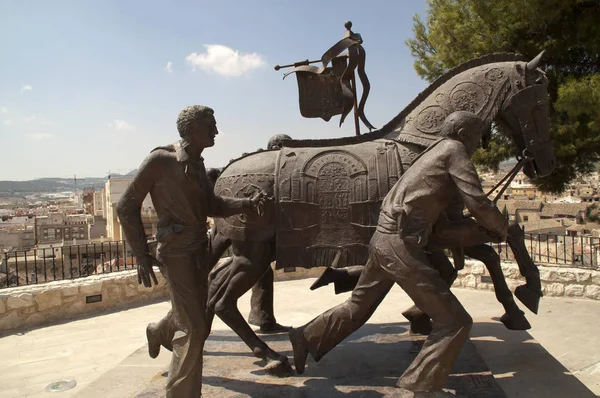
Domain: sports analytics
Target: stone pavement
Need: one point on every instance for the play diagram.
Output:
(558, 357)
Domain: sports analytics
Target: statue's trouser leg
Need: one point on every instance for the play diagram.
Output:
(166, 327)
(187, 275)
(410, 268)
(418, 319)
(261, 301)
(327, 330)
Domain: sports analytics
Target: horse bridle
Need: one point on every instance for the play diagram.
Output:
(509, 177)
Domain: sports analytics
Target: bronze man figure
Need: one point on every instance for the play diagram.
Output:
(397, 254)
(261, 311)
(175, 177)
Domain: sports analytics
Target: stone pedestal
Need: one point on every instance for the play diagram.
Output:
(367, 364)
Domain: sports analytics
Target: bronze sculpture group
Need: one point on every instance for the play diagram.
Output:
(383, 204)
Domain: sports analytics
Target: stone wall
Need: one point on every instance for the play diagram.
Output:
(34, 305)
(556, 281)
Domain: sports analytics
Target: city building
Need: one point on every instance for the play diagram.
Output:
(521, 210)
(113, 190)
(99, 203)
(61, 227)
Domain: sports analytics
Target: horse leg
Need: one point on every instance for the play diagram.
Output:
(228, 283)
(513, 318)
(531, 292)
(218, 243)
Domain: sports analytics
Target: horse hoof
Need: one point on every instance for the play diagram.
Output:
(279, 368)
(529, 298)
(515, 321)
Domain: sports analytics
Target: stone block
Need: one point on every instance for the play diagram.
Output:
(565, 276)
(574, 290)
(2, 306)
(593, 292)
(477, 269)
(470, 281)
(112, 293)
(510, 271)
(22, 300)
(583, 276)
(35, 319)
(69, 299)
(11, 321)
(596, 278)
(75, 309)
(513, 284)
(554, 289)
(485, 286)
(48, 299)
(548, 275)
(90, 289)
(70, 291)
(131, 289)
(28, 310)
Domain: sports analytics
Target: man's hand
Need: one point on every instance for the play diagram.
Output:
(258, 202)
(145, 271)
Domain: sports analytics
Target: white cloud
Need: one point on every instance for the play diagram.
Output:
(120, 125)
(29, 119)
(26, 87)
(225, 61)
(169, 68)
(7, 122)
(3, 110)
(41, 136)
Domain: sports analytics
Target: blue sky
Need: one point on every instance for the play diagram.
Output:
(88, 87)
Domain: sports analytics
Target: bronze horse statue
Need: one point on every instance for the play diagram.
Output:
(327, 193)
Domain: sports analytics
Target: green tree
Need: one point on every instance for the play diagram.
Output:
(458, 30)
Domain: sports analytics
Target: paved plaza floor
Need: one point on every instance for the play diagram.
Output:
(558, 357)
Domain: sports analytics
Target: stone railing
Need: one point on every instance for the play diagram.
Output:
(34, 305)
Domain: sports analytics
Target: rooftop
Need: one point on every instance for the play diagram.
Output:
(562, 209)
(513, 205)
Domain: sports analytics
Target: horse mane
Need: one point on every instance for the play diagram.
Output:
(396, 121)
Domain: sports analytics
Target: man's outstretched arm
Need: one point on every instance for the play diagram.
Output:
(465, 177)
(129, 210)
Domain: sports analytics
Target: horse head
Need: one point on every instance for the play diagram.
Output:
(525, 115)
(500, 88)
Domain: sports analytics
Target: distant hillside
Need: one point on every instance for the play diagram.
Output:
(18, 188)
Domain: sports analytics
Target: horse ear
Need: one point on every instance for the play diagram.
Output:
(533, 64)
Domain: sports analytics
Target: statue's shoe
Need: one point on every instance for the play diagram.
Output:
(325, 279)
(152, 336)
(299, 349)
(274, 328)
(420, 323)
